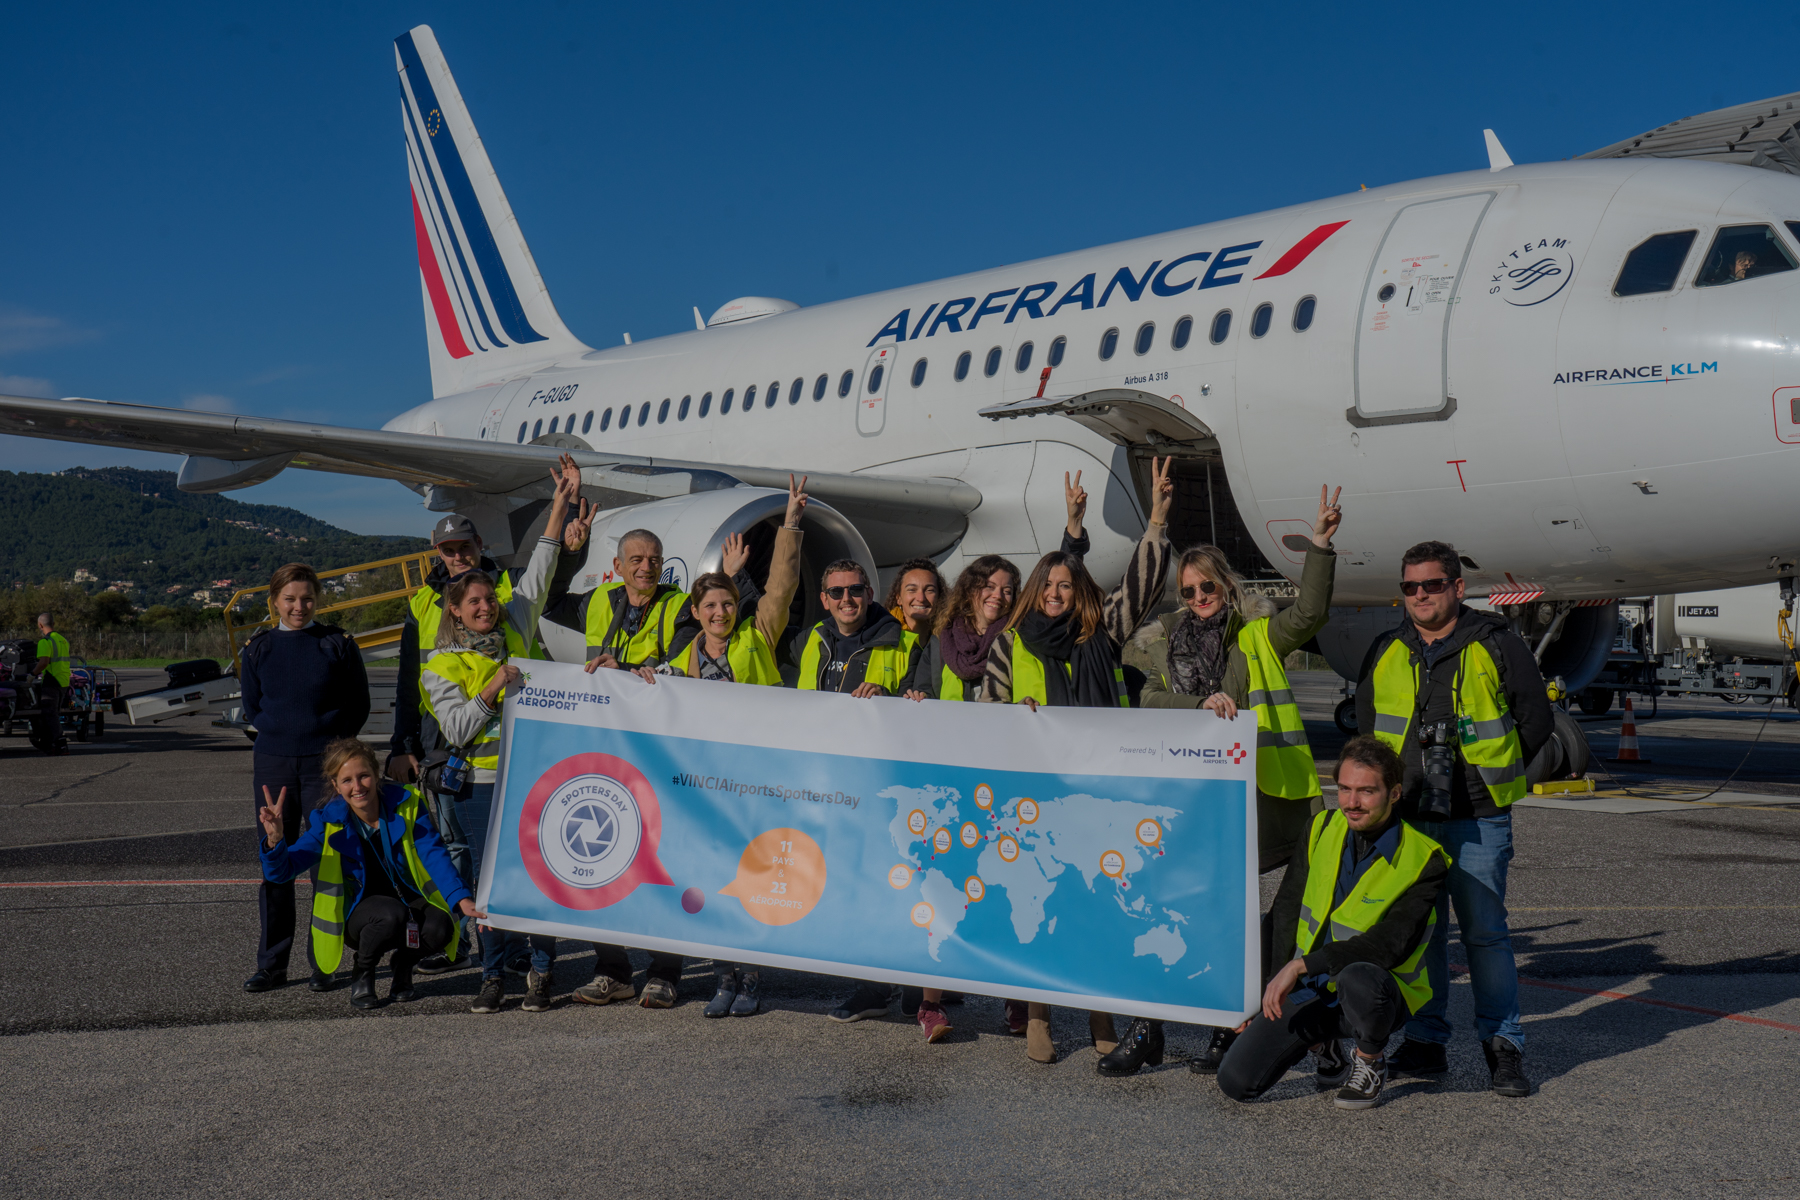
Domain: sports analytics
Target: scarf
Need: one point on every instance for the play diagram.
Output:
(492, 644)
(1197, 654)
(965, 651)
(1076, 675)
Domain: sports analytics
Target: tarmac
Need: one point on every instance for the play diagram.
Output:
(1655, 926)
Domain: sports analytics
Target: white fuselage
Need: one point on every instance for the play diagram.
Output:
(1590, 445)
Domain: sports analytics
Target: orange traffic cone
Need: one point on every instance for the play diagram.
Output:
(1628, 747)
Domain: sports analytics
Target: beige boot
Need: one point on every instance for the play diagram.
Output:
(1038, 1046)
(1100, 1029)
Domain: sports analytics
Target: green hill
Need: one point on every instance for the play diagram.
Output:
(122, 524)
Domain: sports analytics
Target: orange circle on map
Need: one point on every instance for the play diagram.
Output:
(974, 889)
(915, 821)
(940, 841)
(970, 834)
(1112, 864)
(1028, 811)
(984, 796)
(780, 877)
(922, 914)
(899, 877)
(1149, 832)
(1009, 849)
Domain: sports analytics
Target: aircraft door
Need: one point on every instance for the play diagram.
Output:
(495, 419)
(872, 390)
(1403, 326)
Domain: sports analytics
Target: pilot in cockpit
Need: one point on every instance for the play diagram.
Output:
(1743, 265)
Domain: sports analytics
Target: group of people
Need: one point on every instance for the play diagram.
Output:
(1451, 708)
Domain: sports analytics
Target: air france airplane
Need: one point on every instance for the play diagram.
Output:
(1585, 375)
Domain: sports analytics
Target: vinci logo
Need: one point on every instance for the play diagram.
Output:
(589, 832)
(1212, 754)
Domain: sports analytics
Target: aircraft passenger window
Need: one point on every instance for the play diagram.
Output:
(662, 411)
(795, 391)
(705, 404)
(587, 422)
(1794, 228)
(1303, 314)
(1146, 337)
(1022, 360)
(1221, 328)
(774, 394)
(537, 431)
(749, 397)
(521, 431)
(725, 402)
(1109, 344)
(844, 383)
(552, 424)
(681, 413)
(962, 365)
(992, 367)
(1057, 349)
(1178, 337)
(875, 378)
(644, 414)
(918, 375)
(819, 386)
(605, 420)
(1741, 252)
(624, 415)
(1654, 264)
(1260, 319)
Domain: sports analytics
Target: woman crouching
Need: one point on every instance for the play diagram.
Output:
(385, 881)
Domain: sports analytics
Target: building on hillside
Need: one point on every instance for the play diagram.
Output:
(83, 575)
(223, 583)
(121, 585)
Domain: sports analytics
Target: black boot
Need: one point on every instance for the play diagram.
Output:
(1141, 1046)
(1207, 1061)
(319, 982)
(362, 987)
(400, 991)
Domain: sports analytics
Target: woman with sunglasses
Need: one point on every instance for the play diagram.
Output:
(1061, 647)
(1222, 651)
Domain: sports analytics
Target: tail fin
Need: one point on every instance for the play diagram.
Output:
(487, 313)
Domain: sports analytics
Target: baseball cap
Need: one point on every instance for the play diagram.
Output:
(453, 529)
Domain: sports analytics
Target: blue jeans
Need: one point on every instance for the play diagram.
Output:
(472, 818)
(1479, 852)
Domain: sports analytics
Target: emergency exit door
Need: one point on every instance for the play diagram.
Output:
(872, 390)
(1404, 323)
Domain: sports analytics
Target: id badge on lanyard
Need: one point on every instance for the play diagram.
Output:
(412, 934)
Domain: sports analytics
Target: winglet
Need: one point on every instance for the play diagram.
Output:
(1497, 156)
(698, 323)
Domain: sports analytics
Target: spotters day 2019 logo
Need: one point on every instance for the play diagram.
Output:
(589, 832)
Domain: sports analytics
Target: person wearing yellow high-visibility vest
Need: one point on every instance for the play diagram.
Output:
(1061, 648)
(465, 681)
(52, 668)
(1458, 695)
(384, 883)
(1222, 651)
(640, 620)
(1352, 920)
(953, 660)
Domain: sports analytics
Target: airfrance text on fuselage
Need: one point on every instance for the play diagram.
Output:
(1650, 374)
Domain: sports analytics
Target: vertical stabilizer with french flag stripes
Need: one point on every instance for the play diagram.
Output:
(488, 315)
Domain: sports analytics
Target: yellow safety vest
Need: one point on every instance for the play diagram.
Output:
(656, 632)
(331, 907)
(428, 612)
(55, 647)
(887, 664)
(1490, 740)
(749, 654)
(1028, 678)
(1284, 761)
(1382, 884)
(471, 672)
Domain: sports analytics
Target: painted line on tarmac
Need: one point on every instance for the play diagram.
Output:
(1607, 994)
(1664, 908)
(128, 883)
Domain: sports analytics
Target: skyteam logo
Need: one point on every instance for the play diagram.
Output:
(1212, 754)
(588, 832)
(1533, 273)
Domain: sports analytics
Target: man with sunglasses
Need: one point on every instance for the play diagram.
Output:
(1457, 694)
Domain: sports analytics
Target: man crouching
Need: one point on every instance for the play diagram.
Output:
(1353, 918)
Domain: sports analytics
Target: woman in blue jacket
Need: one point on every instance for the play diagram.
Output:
(385, 881)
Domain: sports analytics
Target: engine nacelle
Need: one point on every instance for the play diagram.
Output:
(693, 530)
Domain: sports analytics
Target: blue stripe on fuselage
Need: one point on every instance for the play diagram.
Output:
(456, 177)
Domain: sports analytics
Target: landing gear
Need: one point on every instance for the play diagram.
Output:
(1345, 717)
(1595, 701)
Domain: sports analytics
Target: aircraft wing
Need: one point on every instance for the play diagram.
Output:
(227, 452)
(1763, 133)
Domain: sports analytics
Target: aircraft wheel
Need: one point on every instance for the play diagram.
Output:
(1345, 716)
(1595, 701)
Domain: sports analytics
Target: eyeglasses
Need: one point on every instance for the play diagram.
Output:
(1206, 588)
(854, 591)
(1432, 587)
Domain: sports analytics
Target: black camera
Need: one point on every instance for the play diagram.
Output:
(1436, 742)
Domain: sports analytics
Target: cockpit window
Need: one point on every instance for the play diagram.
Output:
(1741, 252)
(1654, 265)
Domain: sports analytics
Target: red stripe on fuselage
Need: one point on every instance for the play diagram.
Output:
(434, 285)
(1302, 248)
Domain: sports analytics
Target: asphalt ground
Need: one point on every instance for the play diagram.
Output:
(1661, 1009)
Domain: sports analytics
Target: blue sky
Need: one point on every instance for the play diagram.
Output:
(206, 205)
